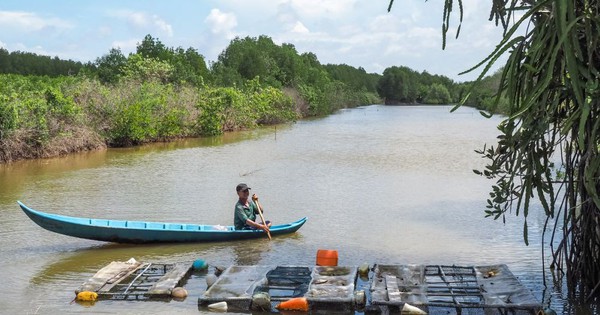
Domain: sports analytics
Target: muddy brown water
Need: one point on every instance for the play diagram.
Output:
(379, 184)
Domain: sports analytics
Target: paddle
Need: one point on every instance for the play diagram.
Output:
(261, 215)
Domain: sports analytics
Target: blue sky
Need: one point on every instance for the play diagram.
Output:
(352, 32)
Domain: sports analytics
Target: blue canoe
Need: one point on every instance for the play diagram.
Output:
(121, 231)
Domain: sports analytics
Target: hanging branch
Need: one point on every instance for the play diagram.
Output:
(552, 82)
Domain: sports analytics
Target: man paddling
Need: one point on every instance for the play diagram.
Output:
(246, 211)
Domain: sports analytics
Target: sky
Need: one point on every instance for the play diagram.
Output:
(352, 32)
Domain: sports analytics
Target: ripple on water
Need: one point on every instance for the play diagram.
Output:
(379, 184)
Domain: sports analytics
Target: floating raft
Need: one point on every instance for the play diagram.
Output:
(434, 289)
(324, 287)
(381, 289)
(133, 280)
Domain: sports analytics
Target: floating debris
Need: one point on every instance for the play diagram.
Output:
(372, 289)
(261, 301)
(219, 306)
(450, 287)
(408, 309)
(87, 296)
(179, 293)
(199, 264)
(295, 304)
(134, 280)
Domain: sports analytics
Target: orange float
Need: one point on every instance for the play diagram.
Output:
(295, 304)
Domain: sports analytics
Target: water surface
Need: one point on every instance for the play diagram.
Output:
(380, 184)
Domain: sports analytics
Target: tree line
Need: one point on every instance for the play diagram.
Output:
(26, 63)
(51, 106)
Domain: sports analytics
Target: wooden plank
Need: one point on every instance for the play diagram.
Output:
(170, 280)
(110, 284)
(110, 274)
(391, 284)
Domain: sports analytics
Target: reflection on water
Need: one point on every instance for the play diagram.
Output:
(388, 185)
(93, 258)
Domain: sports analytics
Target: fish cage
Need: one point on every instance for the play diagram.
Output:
(439, 289)
(136, 281)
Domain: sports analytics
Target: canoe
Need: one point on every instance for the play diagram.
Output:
(121, 231)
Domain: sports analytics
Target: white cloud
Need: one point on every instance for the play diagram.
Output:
(138, 19)
(221, 22)
(126, 46)
(2, 45)
(30, 22)
(322, 8)
(163, 26)
(144, 21)
(20, 47)
(426, 36)
(388, 23)
(300, 28)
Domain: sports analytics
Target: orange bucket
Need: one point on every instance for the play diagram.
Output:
(327, 257)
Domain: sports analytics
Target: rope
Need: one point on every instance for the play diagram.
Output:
(129, 286)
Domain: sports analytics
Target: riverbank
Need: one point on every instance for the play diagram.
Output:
(43, 117)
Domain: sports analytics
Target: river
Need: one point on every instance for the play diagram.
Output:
(379, 184)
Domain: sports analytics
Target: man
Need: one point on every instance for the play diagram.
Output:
(246, 211)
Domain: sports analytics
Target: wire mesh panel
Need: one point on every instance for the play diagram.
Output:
(452, 285)
(149, 281)
(286, 282)
(454, 289)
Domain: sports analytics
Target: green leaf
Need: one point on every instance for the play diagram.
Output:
(525, 233)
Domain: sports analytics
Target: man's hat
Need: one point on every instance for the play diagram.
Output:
(241, 187)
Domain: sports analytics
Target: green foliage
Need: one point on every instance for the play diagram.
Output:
(61, 107)
(356, 79)
(437, 94)
(35, 121)
(252, 57)
(153, 48)
(159, 93)
(271, 104)
(36, 106)
(552, 88)
(9, 106)
(399, 85)
(276, 66)
(134, 112)
(404, 85)
(109, 68)
(9, 116)
(152, 60)
(147, 69)
(187, 66)
(228, 108)
(483, 94)
(313, 73)
(226, 76)
(332, 96)
(280, 66)
(222, 109)
(26, 63)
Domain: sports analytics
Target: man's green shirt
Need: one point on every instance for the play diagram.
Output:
(242, 213)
